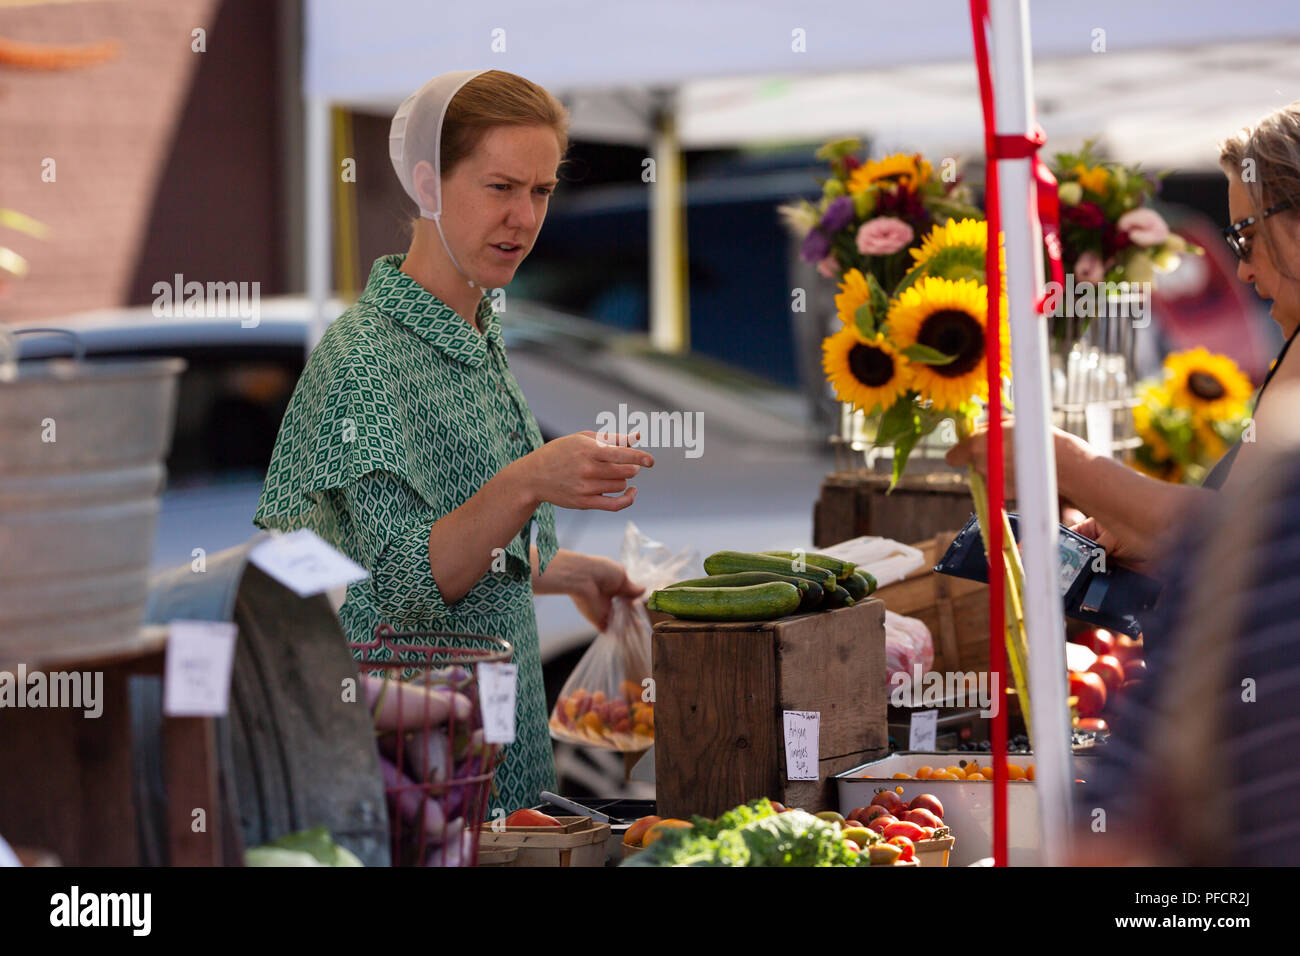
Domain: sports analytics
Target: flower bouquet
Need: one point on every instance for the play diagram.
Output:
(1108, 233)
(1188, 420)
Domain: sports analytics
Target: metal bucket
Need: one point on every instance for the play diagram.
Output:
(81, 468)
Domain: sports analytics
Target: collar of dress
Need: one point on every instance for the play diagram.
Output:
(400, 297)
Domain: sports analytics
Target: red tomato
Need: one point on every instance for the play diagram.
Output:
(778, 807)
(1135, 669)
(928, 801)
(1098, 640)
(881, 822)
(853, 846)
(1094, 724)
(1110, 670)
(904, 829)
(923, 818)
(1126, 648)
(1091, 691)
(888, 799)
(870, 813)
(904, 844)
(929, 833)
(531, 818)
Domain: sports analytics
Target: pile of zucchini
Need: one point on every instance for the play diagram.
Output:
(764, 586)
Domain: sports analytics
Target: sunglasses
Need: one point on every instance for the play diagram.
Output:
(1239, 244)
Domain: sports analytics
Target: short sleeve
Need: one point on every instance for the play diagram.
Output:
(391, 522)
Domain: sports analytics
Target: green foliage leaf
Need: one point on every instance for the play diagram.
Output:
(926, 355)
(879, 300)
(864, 318)
(897, 421)
(902, 451)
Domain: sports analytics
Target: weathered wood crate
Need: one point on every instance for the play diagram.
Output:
(955, 610)
(721, 688)
(852, 504)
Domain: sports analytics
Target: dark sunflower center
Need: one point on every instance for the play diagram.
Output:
(1205, 386)
(953, 333)
(870, 365)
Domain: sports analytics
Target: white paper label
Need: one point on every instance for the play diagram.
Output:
(497, 688)
(196, 671)
(801, 737)
(305, 564)
(1099, 422)
(921, 735)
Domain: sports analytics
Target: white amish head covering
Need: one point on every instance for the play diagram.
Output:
(416, 134)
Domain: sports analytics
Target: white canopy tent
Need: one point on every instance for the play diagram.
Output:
(1160, 82)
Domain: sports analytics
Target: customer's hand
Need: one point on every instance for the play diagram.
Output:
(585, 470)
(1124, 550)
(973, 452)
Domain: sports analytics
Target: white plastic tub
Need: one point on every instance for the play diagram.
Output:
(967, 805)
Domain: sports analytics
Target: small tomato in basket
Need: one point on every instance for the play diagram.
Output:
(903, 829)
(904, 844)
(881, 822)
(923, 818)
(1090, 690)
(928, 801)
(888, 799)
(1110, 670)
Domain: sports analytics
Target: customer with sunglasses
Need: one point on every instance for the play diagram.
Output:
(1131, 515)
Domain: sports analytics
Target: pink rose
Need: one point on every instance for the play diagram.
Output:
(1089, 267)
(829, 268)
(1144, 226)
(883, 236)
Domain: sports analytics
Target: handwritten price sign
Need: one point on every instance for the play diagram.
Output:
(802, 729)
(498, 686)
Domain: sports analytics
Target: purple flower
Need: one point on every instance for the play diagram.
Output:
(838, 214)
(815, 246)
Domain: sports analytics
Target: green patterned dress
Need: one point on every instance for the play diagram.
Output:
(401, 415)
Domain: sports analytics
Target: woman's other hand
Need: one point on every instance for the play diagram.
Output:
(585, 471)
(593, 583)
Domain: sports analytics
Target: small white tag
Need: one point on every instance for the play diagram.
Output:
(497, 688)
(1099, 421)
(802, 728)
(304, 563)
(196, 671)
(925, 724)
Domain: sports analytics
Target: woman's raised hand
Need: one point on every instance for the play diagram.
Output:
(586, 470)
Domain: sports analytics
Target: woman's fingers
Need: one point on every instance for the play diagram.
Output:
(605, 487)
(608, 502)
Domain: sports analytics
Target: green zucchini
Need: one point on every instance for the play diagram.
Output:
(754, 602)
(810, 592)
(841, 569)
(836, 597)
(859, 584)
(728, 562)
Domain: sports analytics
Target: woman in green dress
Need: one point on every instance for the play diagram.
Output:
(408, 444)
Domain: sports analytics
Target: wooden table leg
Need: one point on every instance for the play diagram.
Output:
(194, 816)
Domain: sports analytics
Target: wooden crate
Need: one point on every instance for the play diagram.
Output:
(852, 504)
(578, 841)
(955, 610)
(720, 692)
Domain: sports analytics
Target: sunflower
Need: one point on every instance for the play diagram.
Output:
(868, 373)
(955, 250)
(909, 170)
(853, 293)
(1212, 386)
(948, 316)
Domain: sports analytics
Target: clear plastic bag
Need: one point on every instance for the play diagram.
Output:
(607, 701)
(907, 643)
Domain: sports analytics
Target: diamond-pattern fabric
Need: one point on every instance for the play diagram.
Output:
(403, 413)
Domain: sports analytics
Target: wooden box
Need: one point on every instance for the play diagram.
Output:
(955, 610)
(852, 504)
(578, 841)
(721, 688)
